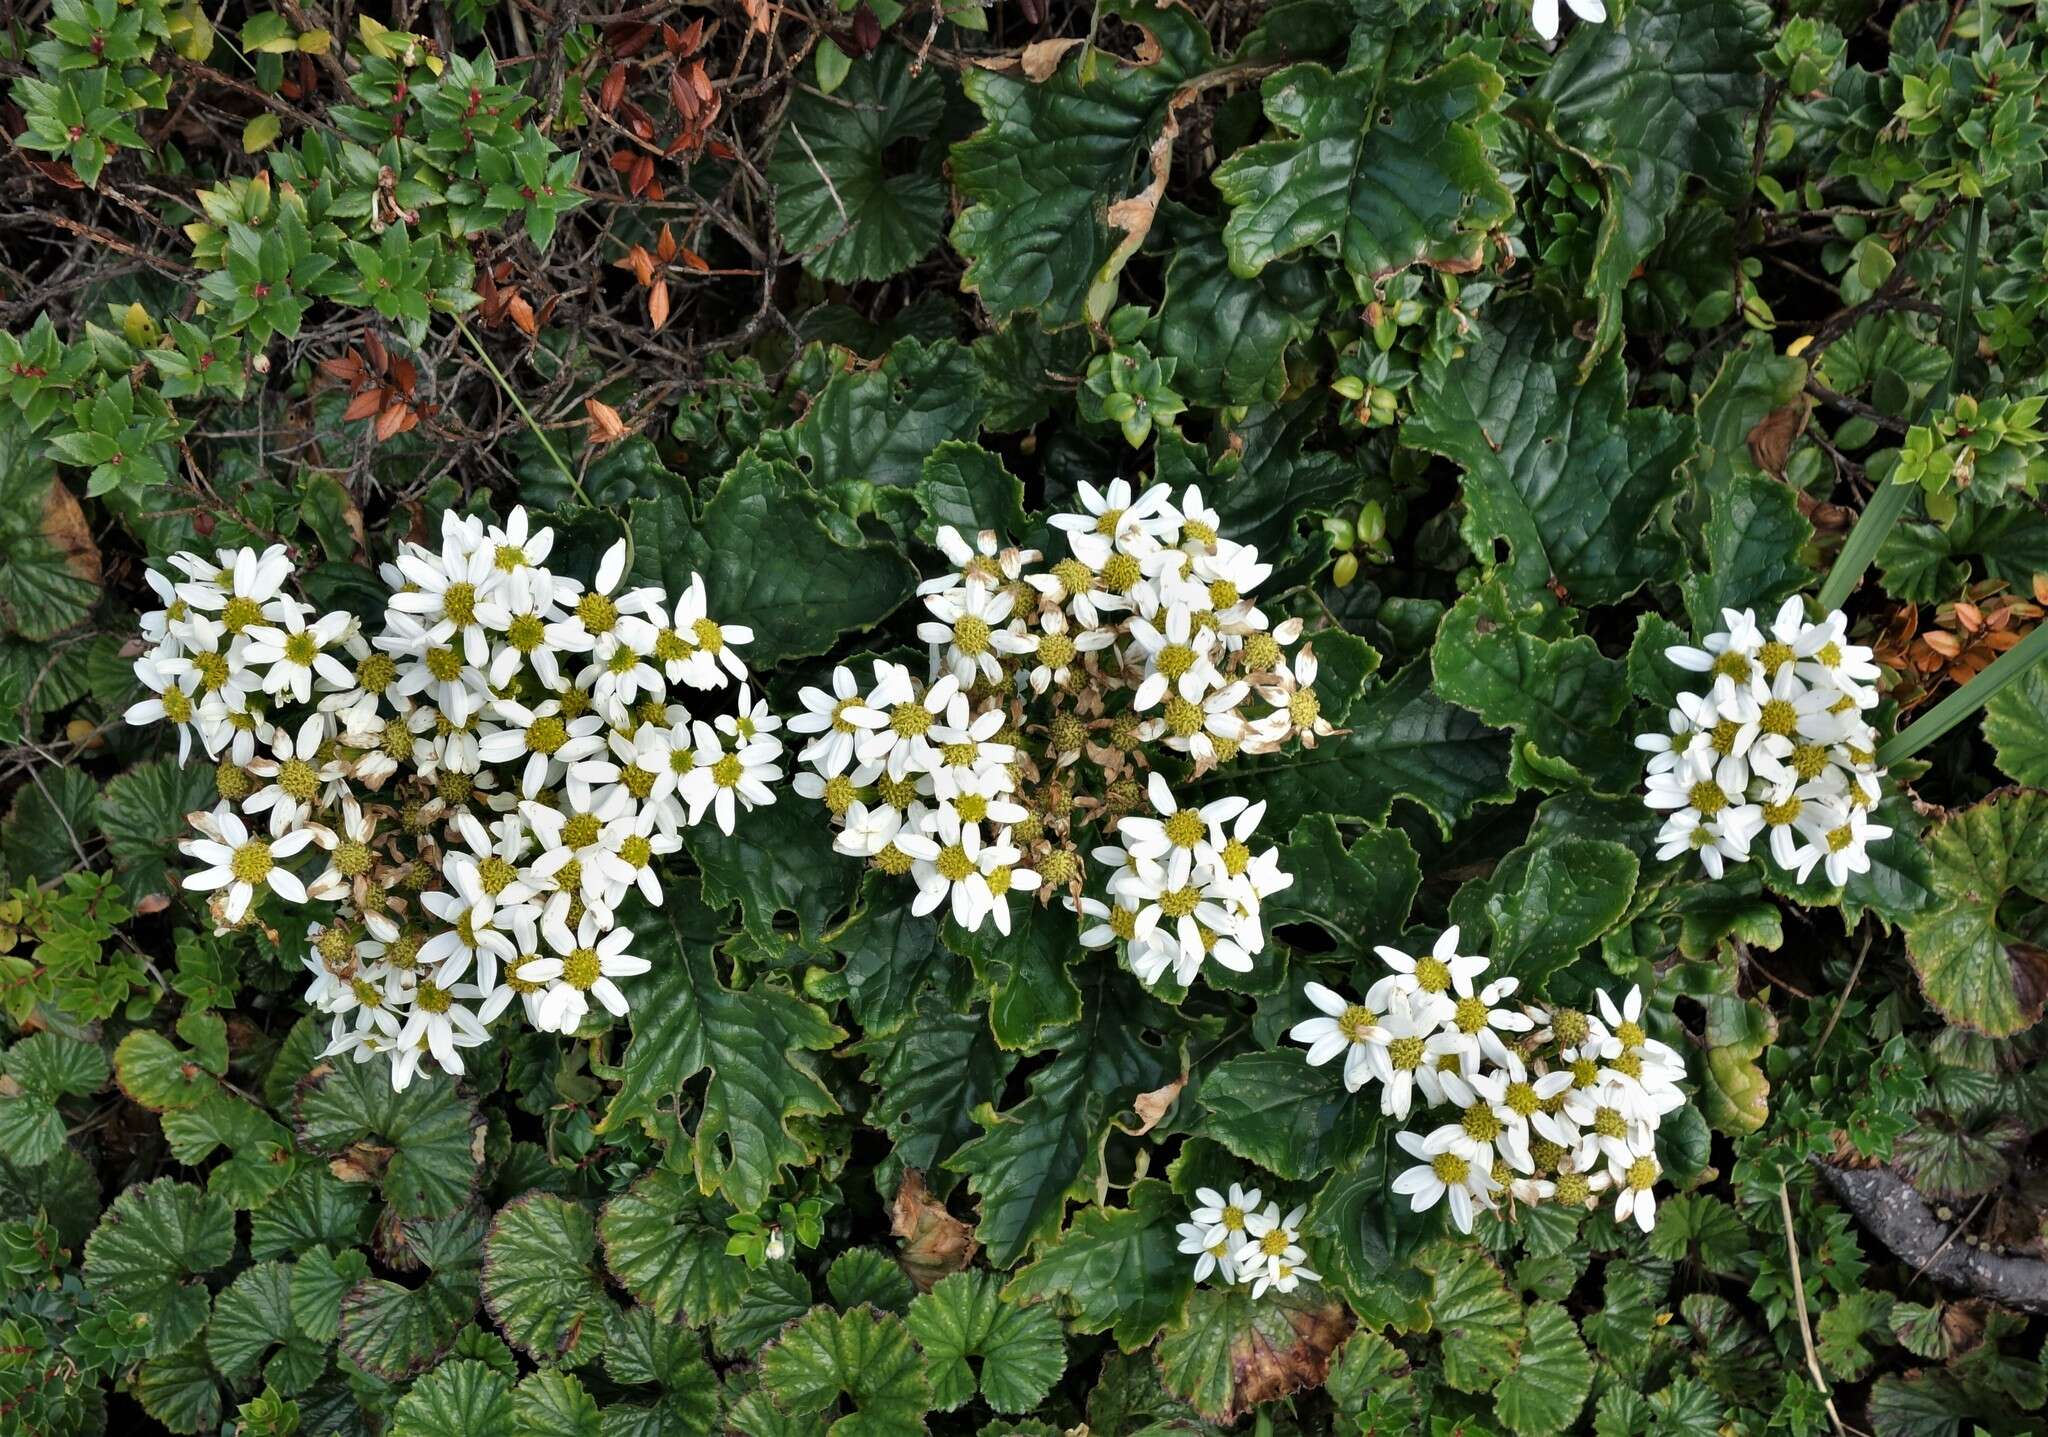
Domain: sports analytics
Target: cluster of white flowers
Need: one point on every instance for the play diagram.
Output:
(1552, 1106)
(1235, 1239)
(487, 778)
(1042, 690)
(1776, 745)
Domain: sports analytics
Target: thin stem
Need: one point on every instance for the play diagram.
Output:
(1889, 502)
(532, 424)
(1965, 700)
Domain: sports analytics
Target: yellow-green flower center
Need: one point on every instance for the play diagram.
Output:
(458, 604)
(911, 720)
(728, 771)
(1405, 1054)
(1184, 828)
(251, 862)
(1180, 902)
(581, 830)
(1450, 1169)
(598, 613)
(239, 613)
(953, 863)
(1779, 718)
(581, 969)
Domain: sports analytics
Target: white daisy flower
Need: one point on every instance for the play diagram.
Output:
(172, 701)
(240, 863)
(455, 593)
(1175, 656)
(441, 1024)
(1544, 14)
(902, 741)
(968, 632)
(950, 869)
(1444, 1175)
(1212, 1254)
(587, 969)
(708, 658)
(1271, 1242)
(1427, 982)
(294, 652)
(722, 780)
(1345, 1027)
(1839, 841)
(838, 719)
(542, 739)
(1176, 827)
(1635, 1196)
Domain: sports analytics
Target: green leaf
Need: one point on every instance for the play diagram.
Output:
(1552, 1376)
(312, 1209)
(1385, 172)
(252, 1315)
(1518, 666)
(964, 485)
(1034, 1157)
(538, 1280)
(753, 1042)
(1479, 1318)
(893, 956)
(1273, 1109)
(771, 560)
(928, 1078)
(553, 1403)
(1018, 1350)
(396, 1331)
(1367, 1241)
(778, 861)
(427, 1141)
(1116, 1270)
(1227, 334)
(1402, 742)
(2016, 725)
(178, 1390)
(143, 813)
(1236, 1351)
(1351, 893)
(1972, 966)
(1930, 563)
(1544, 903)
(1734, 1093)
(777, 1294)
(863, 1275)
(840, 202)
(862, 1358)
(641, 1349)
(159, 1075)
(1754, 533)
(52, 820)
(879, 424)
(1054, 155)
(40, 1070)
(49, 565)
(149, 1256)
(320, 1280)
(665, 1242)
(1026, 973)
(1576, 483)
(1662, 95)
(457, 1399)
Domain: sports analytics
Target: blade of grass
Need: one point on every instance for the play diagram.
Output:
(512, 394)
(1889, 502)
(1965, 700)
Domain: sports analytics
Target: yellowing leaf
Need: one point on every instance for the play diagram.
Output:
(260, 133)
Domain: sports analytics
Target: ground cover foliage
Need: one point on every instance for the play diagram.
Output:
(1521, 361)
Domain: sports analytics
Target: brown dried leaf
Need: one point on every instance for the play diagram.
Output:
(1042, 57)
(63, 524)
(1771, 441)
(1153, 1106)
(935, 1242)
(606, 427)
(657, 303)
